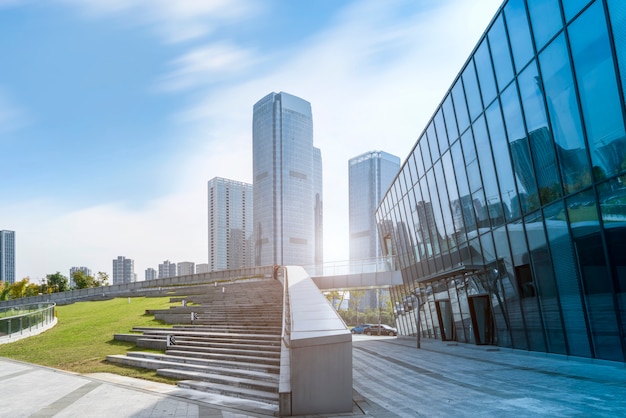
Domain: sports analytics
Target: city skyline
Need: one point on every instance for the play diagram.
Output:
(115, 116)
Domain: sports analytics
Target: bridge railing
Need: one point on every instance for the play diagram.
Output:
(338, 268)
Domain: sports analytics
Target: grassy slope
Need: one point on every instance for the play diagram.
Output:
(83, 337)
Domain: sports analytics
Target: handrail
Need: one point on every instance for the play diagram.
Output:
(27, 317)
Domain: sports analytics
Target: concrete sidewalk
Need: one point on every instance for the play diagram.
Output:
(391, 378)
(395, 379)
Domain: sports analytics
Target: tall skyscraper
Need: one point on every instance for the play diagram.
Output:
(370, 175)
(230, 224)
(167, 269)
(7, 256)
(287, 170)
(73, 270)
(123, 270)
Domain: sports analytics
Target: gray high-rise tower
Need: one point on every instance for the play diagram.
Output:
(287, 172)
(230, 224)
(7, 256)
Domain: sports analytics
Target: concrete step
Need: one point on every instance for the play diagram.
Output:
(258, 367)
(258, 352)
(213, 335)
(225, 356)
(227, 390)
(221, 379)
(163, 363)
(227, 345)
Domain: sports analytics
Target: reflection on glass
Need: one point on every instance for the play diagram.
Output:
(499, 146)
(441, 133)
(493, 206)
(519, 33)
(545, 16)
(448, 112)
(612, 197)
(598, 92)
(460, 106)
(512, 113)
(425, 152)
(500, 53)
(583, 213)
(539, 135)
(485, 72)
(617, 11)
(472, 92)
(563, 111)
(433, 142)
(462, 208)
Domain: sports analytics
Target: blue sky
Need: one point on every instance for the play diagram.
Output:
(114, 114)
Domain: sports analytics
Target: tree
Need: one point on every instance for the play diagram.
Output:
(82, 281)
(102, 279)
(5, 288)
(356, 297)
(18, 289)
(57, 283)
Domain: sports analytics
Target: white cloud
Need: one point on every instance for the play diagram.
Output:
(207, 65)
(174, 21)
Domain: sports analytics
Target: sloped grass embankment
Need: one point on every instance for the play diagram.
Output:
(83, 337)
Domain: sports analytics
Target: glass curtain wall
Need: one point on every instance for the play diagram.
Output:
(509, 214)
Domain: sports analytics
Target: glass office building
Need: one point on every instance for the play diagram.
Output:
(369, 176)
(509, 215)
(287, 170)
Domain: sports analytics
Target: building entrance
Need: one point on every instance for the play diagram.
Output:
(446, 321)
(482, 319)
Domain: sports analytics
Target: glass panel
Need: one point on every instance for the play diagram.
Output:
(471, 162)
(519, 33)
(502, 159)
(441, 132)
(462, 209)
(546, 285)
(599, 97)
(460, 106)
(572, 7)
(433, 143)
(512, 111)
(617, 11)
(448, 112)
(452, 196)
(500, 53)
(505, 275)
(545, 16)
(528, 281)
(563, 111)
(612, 196)
(596, 277)
(568, 280)
(425, 152)
(472, 93)
(539, 135)
(485, 72)
(493, 206)
(433, 214)
(446, 222)
(419, 164)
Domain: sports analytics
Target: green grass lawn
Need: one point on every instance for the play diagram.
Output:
(83, 337)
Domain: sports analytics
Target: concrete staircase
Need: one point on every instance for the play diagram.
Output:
(231, 345)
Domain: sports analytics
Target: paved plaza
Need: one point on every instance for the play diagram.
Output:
(391, 378)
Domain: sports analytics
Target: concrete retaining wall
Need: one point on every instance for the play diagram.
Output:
(320, 352)
(140, 288)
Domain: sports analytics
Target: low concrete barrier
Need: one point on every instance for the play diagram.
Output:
(140, 288)
(319, 352)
